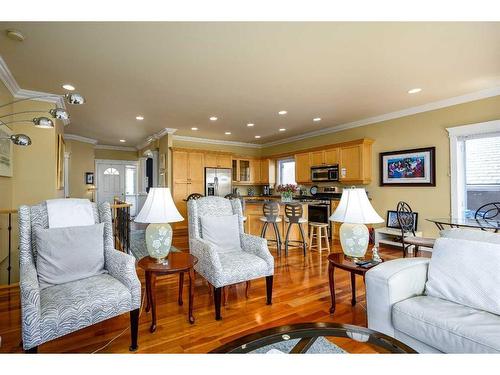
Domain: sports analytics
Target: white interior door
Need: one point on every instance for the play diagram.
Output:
(110, 182)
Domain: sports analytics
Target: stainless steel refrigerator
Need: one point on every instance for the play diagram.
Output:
(218, 181)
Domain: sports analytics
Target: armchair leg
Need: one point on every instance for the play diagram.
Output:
(269, 289)
(217, 301)
(33, 350)
(134, 328)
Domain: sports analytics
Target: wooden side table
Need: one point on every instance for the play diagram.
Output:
(177, 263)
(339, 260)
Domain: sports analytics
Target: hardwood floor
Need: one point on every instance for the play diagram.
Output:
(300, 294)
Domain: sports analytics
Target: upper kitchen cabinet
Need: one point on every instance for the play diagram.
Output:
(267, 172)
(355, 162)
(213, 160)
(324, 157)
(303, 167)
(241, 171)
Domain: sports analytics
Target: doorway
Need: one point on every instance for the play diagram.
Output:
(117, 179)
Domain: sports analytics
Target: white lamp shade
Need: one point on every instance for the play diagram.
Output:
(159, 208)
(354, 207)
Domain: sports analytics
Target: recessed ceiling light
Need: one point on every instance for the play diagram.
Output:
(250, 125)
(316, 119)
(257, 136)
(282, 112)
(123, 140)
(213, 118)
(227, 133)
(140, 118)
(68, 87)
(194, 128)
(415, 90)
(282, 129)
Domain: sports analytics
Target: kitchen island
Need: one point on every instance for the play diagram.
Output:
(253, 225)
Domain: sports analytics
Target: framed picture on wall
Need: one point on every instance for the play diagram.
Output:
(89, 178)
(5, 151)
(416, 167)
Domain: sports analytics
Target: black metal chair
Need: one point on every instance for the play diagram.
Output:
(293, 215)
(406, 221)
(489, 211)
(271, 211)
(194, 196)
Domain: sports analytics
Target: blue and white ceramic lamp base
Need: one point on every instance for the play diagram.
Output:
(354, 239)
(159, 241)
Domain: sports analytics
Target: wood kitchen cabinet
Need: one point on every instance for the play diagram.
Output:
(303, 167)
(324, 157)
(213, 160)
(356, 163)
(188, 174)
(267, 171)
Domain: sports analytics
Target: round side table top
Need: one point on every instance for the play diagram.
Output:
(176, 262)
(341, 261)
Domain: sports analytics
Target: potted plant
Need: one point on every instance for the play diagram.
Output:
(287, 192)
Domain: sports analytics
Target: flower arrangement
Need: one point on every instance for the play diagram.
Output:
(288, 188)
(287, 191)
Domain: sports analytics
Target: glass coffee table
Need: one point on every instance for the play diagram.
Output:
(303, 337)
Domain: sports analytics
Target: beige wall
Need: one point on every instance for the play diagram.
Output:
(34, 174)
(238, 150)
(420, 130)
(81, 161)
(115, 154)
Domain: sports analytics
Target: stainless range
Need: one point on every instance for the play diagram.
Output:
(319, 207)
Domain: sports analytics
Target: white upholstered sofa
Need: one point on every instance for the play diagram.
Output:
(449, 303)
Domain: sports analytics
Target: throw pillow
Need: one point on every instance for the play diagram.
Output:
(222, 231)
(465, 272)
(69, 254)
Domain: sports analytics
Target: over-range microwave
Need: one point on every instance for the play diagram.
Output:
(325, 173)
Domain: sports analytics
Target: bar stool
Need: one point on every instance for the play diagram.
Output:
(293, 215)
(271, 211)
(321, 232)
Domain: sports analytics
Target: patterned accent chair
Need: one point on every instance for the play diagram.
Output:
(221, 269)
(61, 309)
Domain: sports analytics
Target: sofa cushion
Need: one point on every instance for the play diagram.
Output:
(447, 326)
(465, 272)
(68, 307)
(222, 231)
(471, 235)
(69, 254)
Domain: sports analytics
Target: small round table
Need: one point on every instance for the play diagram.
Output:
(339, 260)
(177, 263)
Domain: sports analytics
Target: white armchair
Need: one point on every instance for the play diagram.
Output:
(253, 259)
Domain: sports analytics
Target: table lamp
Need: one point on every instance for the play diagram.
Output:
(158, 211)
(354, 211)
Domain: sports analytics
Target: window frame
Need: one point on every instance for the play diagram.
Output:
(279, 168)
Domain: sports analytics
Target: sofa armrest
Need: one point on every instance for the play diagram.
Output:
(258, 246)
(208, 265)
(30, 305)
(389, 283)
(122, 267)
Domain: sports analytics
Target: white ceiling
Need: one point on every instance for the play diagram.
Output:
(177, 75)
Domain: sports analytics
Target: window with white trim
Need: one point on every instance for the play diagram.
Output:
(286, 171)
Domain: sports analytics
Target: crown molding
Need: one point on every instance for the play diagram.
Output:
(483, 94)
(116, 148)
(216, 141)
(155, 136)
(79, 138)
(18, 93)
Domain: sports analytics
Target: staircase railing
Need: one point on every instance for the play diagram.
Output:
(121, 225)
(9, 213)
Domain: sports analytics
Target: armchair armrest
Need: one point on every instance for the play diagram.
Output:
(389, 283)
(122, 267)
(258, 246)
(30, 305)
(208, 265)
